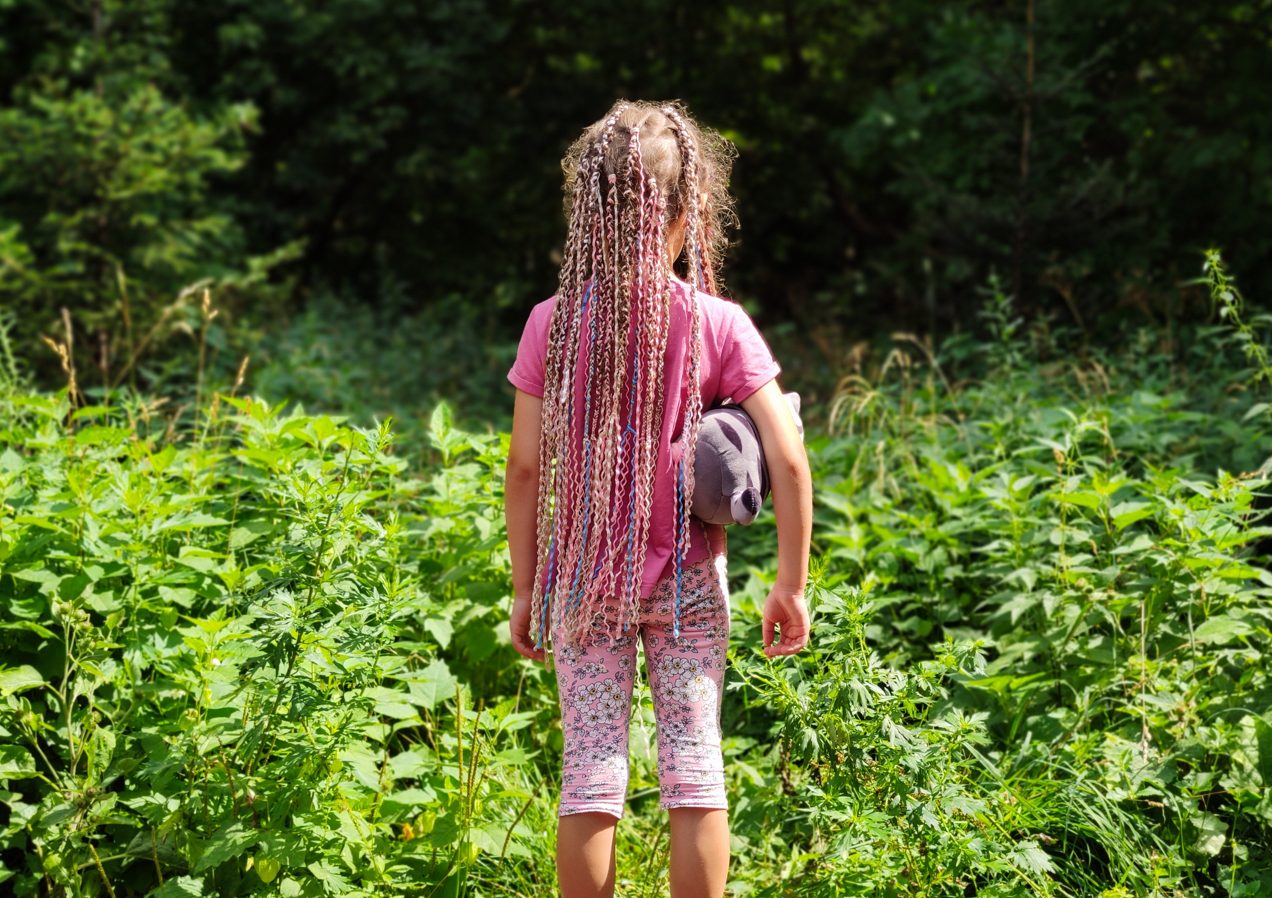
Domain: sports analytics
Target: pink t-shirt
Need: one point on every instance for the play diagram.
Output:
(736, 362)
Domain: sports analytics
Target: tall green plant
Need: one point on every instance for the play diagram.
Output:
(1230, 305)
(226, 660)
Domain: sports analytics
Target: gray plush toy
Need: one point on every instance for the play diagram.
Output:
(729, 474)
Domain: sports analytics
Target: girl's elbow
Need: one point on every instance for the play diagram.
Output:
(519, 471)
(794, 463)
(797, 472)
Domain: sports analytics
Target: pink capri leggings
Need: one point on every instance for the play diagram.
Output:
(686, 677)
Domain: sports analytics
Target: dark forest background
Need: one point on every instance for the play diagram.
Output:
(396, 159)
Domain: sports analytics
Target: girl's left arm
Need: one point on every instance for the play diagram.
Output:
(521, 502)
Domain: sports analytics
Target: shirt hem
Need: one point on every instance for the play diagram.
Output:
(751, 386)
(525, 385)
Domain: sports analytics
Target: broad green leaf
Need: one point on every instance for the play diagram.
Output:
(407, 800)
(16, 763)
(100, 749)
(334, 882)
(432, 685)
(248, 532)
(1126, 513)
(192, 520)
(48, 580)
(1029, 856)
(1211, 833)
(266, 868)
(99, 434)
(395, 705)
(488, 838)
(17, 679)
(180, 887)
(441, 629)
(1081, 498)
(229, 842)
(1221, 629)
(29, 626)
(11, 461)
(203, 560)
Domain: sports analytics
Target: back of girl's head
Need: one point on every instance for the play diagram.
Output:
(627, 178)
(683, 157)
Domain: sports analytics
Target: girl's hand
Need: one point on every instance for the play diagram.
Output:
(785, 608)
(519, 629)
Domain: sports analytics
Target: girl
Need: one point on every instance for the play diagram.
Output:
(612, 376)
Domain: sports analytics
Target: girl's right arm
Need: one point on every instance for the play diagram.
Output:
(791, 483)
(521, 501)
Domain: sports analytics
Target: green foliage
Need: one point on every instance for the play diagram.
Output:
(1230, 305)
(1058, 517)
(224, 658)
(109, 198)
(255, 651)
(339, 356)
(882, 146)
(897, 788)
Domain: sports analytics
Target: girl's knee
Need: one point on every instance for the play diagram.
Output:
(694, 796)
(602, 814)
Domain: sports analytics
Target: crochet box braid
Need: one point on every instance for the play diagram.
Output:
(627, 178)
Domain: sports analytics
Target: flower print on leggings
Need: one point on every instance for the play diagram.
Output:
(683, 680)
(599, 702)
(686, 677)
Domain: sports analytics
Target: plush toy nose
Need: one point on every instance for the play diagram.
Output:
(745, 504)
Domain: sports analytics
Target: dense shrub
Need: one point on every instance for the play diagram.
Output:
(1097, 528)
(223, 669)
(254, 651)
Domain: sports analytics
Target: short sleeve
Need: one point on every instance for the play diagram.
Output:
(746, 362)
(527, 372)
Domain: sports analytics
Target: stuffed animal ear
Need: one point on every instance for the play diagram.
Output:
(793, 399)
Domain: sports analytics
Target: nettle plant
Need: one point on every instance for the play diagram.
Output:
(885, 778)
(225, 665)
(1063, 519)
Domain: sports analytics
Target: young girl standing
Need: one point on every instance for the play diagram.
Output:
(612, 376)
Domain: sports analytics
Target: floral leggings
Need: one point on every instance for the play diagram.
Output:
(686, 677)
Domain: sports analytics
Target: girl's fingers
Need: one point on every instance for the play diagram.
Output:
(793, 638)
(518, 641)
(523, 646)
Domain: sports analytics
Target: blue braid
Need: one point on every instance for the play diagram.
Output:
(575, 596)
(547, 590)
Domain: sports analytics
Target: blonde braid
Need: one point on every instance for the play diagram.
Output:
(555, 448)
(695, 242)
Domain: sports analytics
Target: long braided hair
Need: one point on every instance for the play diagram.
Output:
(627, 178)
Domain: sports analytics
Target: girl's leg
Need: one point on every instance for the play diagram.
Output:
(585, 854)
(699, 852)
(594, 684)
(686, 676)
